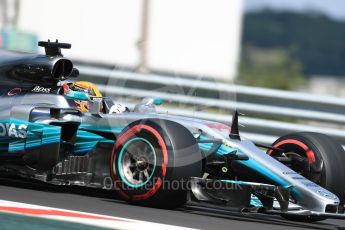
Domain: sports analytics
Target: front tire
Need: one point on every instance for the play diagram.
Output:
(152, 161)
(326, 158)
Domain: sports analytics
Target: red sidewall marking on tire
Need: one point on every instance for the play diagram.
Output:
(123, 138)
(310, 153)
(150, 193)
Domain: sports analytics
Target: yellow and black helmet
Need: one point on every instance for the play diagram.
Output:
(87, 87)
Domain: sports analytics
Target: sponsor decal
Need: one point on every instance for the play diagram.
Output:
(13, 130)
(41, 89)
(14, 92)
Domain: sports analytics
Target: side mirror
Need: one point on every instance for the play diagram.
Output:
(152, 101)
(148, 105)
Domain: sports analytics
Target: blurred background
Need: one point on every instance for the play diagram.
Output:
(295, 45)
(290, 45)
(192, 37)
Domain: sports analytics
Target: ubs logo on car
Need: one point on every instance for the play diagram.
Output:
(13, 130)
(41, 89)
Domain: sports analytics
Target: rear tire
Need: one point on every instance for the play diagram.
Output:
(152, 161)
(326, 158)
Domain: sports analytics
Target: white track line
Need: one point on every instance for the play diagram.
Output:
(104, 221)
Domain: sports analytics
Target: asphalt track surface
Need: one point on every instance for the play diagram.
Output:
(104, 202)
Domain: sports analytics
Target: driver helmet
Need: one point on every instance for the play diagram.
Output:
(86, 87)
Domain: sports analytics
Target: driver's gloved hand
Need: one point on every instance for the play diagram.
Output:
(118, 108)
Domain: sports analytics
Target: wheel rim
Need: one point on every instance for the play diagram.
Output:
(299, 149)
(137, 162)
(313, 173)
(298, 168)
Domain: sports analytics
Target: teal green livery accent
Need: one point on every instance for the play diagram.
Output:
(42, 134)
(86, 141)
(17, 136)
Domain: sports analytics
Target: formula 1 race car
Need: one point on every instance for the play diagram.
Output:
(155, 159)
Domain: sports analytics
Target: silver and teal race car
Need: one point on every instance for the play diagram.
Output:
(156, 159)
